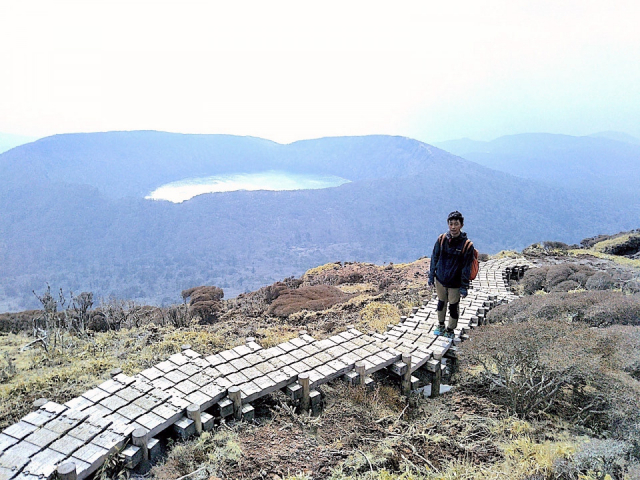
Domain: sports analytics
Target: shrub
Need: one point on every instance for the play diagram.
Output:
(602, 457)
(579, 277)
(552, 245)
(205, 302)
(600, 281)
(597, 308)
(564, 368)
(534, 279)
(313, 298)
(557, 274)
(566, 286)
(632, 286)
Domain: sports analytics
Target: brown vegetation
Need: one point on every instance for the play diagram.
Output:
(596, 308)
(205, 302)
(312, 298)
(581, 374)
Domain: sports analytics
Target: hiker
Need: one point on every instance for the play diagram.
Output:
(451, 262)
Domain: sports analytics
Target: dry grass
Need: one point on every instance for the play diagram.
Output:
(628, 262)
(376, 316)
(611, 243)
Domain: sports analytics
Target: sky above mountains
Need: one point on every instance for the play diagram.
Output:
(289, 70)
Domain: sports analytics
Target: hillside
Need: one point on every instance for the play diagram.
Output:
(74, 213)
(603, 162)
(585, 338)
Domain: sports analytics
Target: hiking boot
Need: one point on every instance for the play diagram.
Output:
(449, 333)
(440, 330)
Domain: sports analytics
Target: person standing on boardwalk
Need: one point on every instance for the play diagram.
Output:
(450, 271)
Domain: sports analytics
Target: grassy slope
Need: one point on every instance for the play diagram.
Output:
(361, 434)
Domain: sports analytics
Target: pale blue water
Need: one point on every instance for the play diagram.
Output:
(182, 190)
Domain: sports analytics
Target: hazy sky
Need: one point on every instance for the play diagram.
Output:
(300, 69)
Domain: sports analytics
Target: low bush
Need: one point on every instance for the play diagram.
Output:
(597, 308)
(599, 458)
(312, 298)
(566, 286)
(205, 302)
(600, 281)
(547, 278)
(581, 374)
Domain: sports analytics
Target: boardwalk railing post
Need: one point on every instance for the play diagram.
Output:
(303, 380)
(139, 438)
(360, 370)
(67, 471)
(193, 412)
(236, 397)
(406, 378)
(435, 381)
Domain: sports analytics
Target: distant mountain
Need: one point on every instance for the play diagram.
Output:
(73, 212)
(125, 164)
(592, 163)
(619, 136)
(9, 141)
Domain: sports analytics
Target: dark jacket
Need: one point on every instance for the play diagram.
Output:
(448, 265)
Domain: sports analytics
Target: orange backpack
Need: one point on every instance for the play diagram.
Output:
(475, 264)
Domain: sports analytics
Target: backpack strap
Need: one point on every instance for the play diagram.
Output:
(441, 239)
(467, 245)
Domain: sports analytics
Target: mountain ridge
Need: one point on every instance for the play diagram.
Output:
(82, 237)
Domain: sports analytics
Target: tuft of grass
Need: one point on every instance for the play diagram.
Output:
(506, 254)
(271, 336)
(512, 428)
(320, 269)
(358, 288)
(376, 316)
(210, 449)
(524, 457)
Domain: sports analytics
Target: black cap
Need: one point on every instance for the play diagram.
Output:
(456, 215)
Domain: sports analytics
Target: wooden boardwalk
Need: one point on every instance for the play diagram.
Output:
(186, 391)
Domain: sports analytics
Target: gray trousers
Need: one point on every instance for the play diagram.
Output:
(452, 297)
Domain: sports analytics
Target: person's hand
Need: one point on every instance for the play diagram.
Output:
(430, 282)
(463, 292)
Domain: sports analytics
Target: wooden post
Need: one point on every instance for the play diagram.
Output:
(67, 471)
(406, 378)
(193, 412)
(236, 398)
(139, 438)
(435, 381)
(360, 370)
(303, 380)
